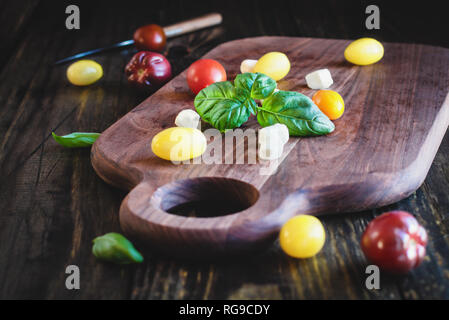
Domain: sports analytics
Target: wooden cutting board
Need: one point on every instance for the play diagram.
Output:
(397, 112)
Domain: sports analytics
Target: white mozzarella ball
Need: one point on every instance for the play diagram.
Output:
(283, 132)
(188, 119)
(272, 140)
(277, 133)
(319, 79)
(271, 152)
(247, 65)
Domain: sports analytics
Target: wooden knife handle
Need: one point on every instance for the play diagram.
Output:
(202, 22)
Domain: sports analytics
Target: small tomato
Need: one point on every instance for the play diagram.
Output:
(203, 73)
(84, 72)
(179, 144)
(273, 64)
(302, 236)
(364, 51)
(395, 242)
(330, 102)
(148, 70)
(150, 37)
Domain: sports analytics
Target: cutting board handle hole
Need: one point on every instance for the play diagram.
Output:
(206, 197)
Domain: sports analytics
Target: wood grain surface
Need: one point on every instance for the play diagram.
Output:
(52, 204)
(396, 115)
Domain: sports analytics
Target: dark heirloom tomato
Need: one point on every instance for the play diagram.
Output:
(150, 37)
(395, 242)
(148, 69)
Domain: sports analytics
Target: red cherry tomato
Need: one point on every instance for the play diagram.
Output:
(395, 242)
(203, 73)
(150, 37)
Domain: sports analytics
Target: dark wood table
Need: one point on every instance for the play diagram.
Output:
(52, 204)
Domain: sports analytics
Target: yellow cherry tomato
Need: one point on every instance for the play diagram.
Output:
(179, 144)
(330, 102)
(302, 236)
(364, 51)
(273, 64)
(84, 72)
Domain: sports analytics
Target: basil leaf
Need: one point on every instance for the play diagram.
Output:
(258, 85)
(76, 139)
(297, 112)
(250, 104)
(223, 106)
(114, 247)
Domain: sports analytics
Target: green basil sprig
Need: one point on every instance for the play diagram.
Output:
(227, 106)
(297, 112)
(76, 139)
(258, 85)
(222, 105)
(114, 247)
